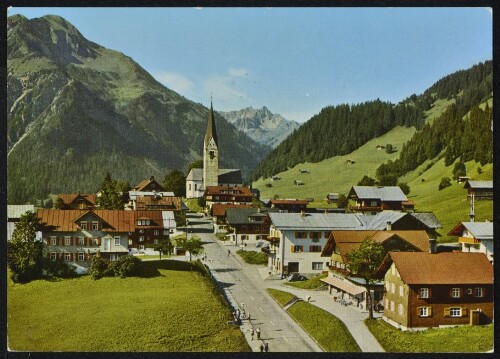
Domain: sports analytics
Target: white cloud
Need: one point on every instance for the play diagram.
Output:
(234, 72)
(174, 81)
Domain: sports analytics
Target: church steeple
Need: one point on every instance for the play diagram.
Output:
(210, 152)
(211, 131)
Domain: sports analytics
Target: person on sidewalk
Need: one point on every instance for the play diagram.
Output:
(258, 333)
(266, 347)
(252, 332)
(261, 347)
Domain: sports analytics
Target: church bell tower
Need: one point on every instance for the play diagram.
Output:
(210, 152)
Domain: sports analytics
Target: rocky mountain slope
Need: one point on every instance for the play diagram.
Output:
(77, 110)
(261, 125)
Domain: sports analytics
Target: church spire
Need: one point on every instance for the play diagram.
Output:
(211, 131)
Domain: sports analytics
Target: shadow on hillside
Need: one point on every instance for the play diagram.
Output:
(224, 270)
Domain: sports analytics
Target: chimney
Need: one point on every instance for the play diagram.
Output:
(432, 245)
(389, 226)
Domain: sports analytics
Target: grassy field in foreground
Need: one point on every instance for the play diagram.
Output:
(470, 339)
(331, 334)
(160, 312)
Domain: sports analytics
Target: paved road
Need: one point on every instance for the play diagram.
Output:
(246, 288)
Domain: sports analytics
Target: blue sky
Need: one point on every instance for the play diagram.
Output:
(295, 61)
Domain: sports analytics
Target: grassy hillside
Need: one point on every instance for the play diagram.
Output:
(159, 313)
(333, 175)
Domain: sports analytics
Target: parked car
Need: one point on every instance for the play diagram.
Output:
(259, 244)
(295, 277)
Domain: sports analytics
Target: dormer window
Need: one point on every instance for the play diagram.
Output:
(95, 226)
(143, 222)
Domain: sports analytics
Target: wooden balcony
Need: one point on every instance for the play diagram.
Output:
(468, 240)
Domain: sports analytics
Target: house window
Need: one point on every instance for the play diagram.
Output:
(301, 235)
(392, 306)
(141, 247)
(393, 288)
(117, 241)
(96, 241)
(401, 290)
(148, 222)
(196, 186)
(67, 256)
(424, 292)
(373, 203)
(327, 235)
(423, 311)
(317, 265)
(84, 226)
(53, 241)
(314, 248)
(393, 270)
(315, 236)
(387, 303)
(296, 249)
(478, 292)
(95, 226)
(387, 286)
(113, 257)
(455, 292)
(455, 312)
(400, 309)
(190, 186)
(156, 241)
(165, 232)
(130, 242)
(141, 239)
(81, 256)
(81, 241)
(53, 256)
(156, 232)
(67, 241)
(141, 230)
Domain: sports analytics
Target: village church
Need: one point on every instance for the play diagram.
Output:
(199, 179)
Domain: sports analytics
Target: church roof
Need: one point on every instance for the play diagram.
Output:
(211, 130)
(225, 175)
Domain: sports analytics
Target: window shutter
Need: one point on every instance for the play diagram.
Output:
(311, 248)
(430, 292)
(418, 311)
(429, 311)
(464, 312)
(48, 256)
(98, 241)
(447, 312)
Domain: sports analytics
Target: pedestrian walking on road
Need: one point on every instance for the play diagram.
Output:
(252, 332)
(258, 333)
(238, 313)
(228, 252)
(266, 347)
(261, 347)
(248, 317)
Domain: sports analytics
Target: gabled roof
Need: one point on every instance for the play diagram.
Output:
(289, 201)
(69, 198)
(239, 191)
(480, 230)
(144, 183)
(347, 241)
(225, 175)
(442, 268)
(386, 194)
(479, 184)
(150, 201)
(379, 221)
(118, 220)
(315, 221)
(242, 215)
(16, 210)
(219, 209)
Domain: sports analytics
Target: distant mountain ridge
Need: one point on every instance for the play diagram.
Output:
(77, 110)
(261, 125)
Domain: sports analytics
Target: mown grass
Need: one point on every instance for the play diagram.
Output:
(192, 204)
(253, 257)
(328, 331)
(461, 339)
(159, 311)
(311, 283)
(281, 297)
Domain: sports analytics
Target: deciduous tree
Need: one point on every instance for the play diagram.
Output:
(175, 181)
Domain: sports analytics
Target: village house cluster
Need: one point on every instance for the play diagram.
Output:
(420, 284)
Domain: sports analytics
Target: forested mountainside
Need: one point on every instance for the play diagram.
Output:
(261, 125)
(341, 129)
(77, 110)
(463, 131)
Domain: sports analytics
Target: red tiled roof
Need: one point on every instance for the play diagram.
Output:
(443, 268)
(241, 191)
(68, 198)
(141, 185)
(171, 202)
(347, 241)
(219, 209)
(117, 221)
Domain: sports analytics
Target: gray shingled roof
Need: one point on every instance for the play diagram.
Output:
(196, 174)
(391, 193)
(316, 221)
(427, 218)
(479, 184)
(480, 230)
(379, 221)
(242, 215)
